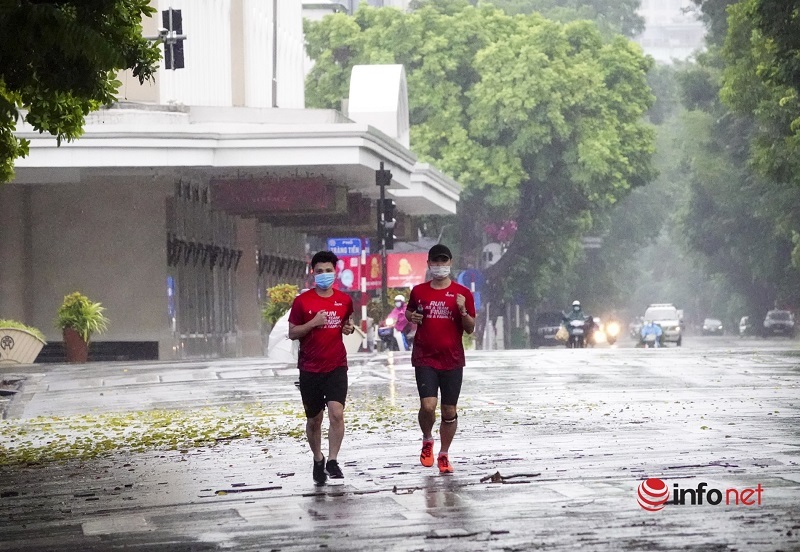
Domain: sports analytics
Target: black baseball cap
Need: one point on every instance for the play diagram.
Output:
(439, 250)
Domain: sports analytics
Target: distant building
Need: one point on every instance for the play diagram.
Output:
(673, 31)
(182, 203)
(352, 5)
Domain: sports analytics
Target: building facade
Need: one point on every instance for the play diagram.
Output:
(673, 30)
(181, 204)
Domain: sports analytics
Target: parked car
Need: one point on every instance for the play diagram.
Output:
(747, 326)
(544, 328)
(713, 326)
(779, 322)
(669, 318)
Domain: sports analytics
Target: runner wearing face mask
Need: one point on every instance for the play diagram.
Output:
(447, 311)
(318, 319)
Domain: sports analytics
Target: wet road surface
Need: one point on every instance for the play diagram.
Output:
(568, 436)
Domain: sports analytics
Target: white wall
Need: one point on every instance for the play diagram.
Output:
(206, 79)
(13, 245)
(107, 240)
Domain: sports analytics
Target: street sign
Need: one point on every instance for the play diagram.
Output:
(591, 242)
(345, 247)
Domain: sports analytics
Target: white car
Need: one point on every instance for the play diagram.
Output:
(670, 320)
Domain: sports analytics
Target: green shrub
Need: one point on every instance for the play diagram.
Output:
(20, 326)
(82, 315)
(279, 301)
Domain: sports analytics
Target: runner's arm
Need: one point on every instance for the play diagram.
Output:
(467, 322)
(302, 330)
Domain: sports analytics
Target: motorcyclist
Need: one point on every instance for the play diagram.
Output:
(575, 314)
(401, 323)
(651, 328)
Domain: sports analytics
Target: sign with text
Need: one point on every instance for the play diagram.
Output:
(345, 247)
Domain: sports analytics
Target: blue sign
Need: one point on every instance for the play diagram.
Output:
(345, 247)
(472, 279)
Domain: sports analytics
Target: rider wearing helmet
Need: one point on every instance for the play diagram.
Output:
(651, 328)
(401, 324)
(575, 314)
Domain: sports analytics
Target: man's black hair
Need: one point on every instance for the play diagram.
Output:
(324, 257)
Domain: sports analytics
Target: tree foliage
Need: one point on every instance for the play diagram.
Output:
(539, 120)
(743, 212)
(58, 63)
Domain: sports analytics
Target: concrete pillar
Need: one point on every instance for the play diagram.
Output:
(248, 311)
(14, 252)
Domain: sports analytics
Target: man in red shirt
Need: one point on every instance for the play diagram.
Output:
(443, 310)
(318, 319)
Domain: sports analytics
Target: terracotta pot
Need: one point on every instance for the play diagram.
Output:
(76, 348)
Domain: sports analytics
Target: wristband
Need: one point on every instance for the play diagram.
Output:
(464, 312)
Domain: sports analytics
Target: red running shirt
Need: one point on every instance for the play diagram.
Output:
(438, 340)
(322, 349)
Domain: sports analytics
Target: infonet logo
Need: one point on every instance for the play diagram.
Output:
(653, 494)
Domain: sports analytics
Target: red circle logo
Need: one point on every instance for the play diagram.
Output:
(653, 495)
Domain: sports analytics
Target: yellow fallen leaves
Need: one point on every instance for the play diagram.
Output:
(52, 438)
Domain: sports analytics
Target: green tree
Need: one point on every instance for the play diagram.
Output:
(58, 63)
(741, 211)
(541, 121)
(762, 79)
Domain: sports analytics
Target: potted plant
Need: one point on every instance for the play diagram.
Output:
(19, 344)
(279, 301)
(78, 318)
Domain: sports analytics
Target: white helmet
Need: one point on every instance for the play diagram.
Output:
(400, 298)
(576, 303)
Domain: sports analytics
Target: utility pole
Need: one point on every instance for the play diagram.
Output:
(386, 222)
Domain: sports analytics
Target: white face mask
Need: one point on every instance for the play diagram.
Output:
(398, 304)
(440, 271)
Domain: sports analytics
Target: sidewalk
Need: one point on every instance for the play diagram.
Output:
(570, 433)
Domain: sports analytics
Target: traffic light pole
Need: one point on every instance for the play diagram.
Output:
(382, 178)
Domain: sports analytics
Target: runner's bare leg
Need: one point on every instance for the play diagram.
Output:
(447, 430)
(314, 434)
(427, 416)
(336, 429)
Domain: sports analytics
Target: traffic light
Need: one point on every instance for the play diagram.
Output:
(388, 222)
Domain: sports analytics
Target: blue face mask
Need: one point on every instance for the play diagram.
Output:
(324, 280)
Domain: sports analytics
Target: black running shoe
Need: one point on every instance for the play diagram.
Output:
(319, 472)
(333, 470)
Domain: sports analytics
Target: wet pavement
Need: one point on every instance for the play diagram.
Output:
(551, 448)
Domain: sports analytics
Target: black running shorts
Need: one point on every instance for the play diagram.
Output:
(430, 381)
(317, 389)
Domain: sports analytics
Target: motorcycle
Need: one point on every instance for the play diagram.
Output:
(612, 332)
(650, 341)
(577, 334)
(391, 339)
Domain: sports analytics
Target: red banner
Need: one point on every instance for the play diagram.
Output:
(267, 196)
(348, 274)
(405, 270)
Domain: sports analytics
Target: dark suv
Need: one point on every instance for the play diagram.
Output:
(779, 322)
(544, 328)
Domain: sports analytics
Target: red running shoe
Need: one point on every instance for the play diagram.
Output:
(426, 456)
(444, 464)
